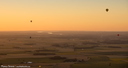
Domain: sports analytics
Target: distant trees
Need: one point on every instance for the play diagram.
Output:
(44, 54)
(57, 58)
(63, 45)
(115, 42)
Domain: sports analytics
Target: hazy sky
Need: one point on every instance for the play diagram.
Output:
(59, 15)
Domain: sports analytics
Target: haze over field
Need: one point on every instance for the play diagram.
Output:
(64, 49)
(64, 15)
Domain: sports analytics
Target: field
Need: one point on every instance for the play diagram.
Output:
(63, 49)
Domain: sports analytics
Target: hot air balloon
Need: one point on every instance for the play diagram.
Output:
(118, 34)
(30, 37)
(107, 10)
(30, 20)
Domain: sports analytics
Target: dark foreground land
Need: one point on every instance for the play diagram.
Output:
(69, 49)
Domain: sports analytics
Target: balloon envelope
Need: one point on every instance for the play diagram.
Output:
(107, 10)
(118, 34)
(30, 20)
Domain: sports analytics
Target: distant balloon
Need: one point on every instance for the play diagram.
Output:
(30, 37)
(107, 10)
(118, 34)
(30, 20)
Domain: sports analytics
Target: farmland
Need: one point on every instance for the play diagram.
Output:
(64, 49)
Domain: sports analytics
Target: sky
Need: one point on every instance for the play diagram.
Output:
(63, 15)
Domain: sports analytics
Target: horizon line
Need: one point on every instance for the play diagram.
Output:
(60, 31)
